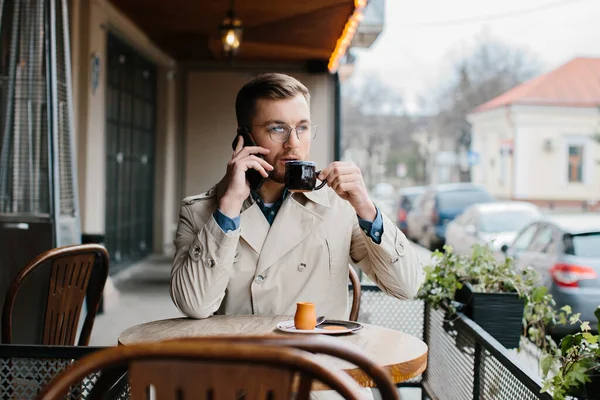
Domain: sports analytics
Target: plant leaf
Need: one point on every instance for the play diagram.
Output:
(539, 293)
(585, 326)
(590, 338)
(546, 364)
(566, 343)
(574, 318)
(578, 374)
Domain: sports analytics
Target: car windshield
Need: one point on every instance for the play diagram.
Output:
(460, 199)
(506, 220)
(585, 245)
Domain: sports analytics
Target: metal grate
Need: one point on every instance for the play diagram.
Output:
(498, 383)
(464, 362)
(24, 166)
(451, 360)
(24, 378)
(378, 308)
(64, 129)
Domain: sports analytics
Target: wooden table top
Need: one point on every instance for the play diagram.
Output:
(403, 355)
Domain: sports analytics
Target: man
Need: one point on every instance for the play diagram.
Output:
(259, 252)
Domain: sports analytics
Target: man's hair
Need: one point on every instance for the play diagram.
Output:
(272, 86)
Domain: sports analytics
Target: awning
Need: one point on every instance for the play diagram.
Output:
(274, 30)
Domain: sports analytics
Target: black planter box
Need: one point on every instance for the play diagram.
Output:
(590, 391)
(499, 314)
(593, 388)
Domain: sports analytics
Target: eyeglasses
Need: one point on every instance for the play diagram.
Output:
(280, 133)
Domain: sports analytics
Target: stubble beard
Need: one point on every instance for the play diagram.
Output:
(277, 175)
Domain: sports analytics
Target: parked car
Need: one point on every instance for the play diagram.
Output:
(405, 204)
(438, 206)
(565, 250)
(413, 218)
(494, 224)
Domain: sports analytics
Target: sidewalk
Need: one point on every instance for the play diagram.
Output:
(138, 294)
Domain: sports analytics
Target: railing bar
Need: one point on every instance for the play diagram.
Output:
(528, 380)
(476, 371)
(43, 351)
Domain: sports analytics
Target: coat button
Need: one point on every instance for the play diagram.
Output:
(301, 267)
(400, 249)
(209, 262)
(197, 251)
(260, 279)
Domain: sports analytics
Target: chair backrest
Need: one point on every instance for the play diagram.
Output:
(376, 376)
(208, 369)
(356, 292)
(71, 269)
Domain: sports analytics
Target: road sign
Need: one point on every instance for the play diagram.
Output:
(473, 158)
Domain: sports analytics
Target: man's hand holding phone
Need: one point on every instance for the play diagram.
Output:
(244, 159)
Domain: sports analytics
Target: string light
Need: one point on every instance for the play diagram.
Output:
(347, 35)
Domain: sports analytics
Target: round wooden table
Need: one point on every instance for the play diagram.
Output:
(403, 355)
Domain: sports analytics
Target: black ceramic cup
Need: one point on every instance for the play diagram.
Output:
(301, 176)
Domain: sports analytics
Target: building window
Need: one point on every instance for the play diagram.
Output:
(575, 172)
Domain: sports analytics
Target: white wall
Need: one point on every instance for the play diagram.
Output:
(210, 124)
(544, 173)
(495, 170)
(539, 174)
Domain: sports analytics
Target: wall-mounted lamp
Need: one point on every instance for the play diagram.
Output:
(231, 32)
(548, 145)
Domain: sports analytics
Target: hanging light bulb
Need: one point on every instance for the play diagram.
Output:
(231, 32)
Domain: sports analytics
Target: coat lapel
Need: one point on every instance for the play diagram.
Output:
(296, 219)
(253, 224)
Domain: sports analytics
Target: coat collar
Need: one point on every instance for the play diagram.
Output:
(318, 196)
(295, 220)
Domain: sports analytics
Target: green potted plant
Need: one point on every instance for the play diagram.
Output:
(573, 369)
(493, 292)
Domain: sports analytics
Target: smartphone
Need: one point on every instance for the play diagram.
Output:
(254, 178)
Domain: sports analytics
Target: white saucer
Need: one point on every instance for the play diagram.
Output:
(288, 326)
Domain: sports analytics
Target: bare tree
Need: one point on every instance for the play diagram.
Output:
(374, 121)
(485, 72)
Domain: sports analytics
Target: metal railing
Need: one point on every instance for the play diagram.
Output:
(26, 369)
(464, 361)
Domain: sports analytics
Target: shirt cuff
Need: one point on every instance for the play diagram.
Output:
(227, 224)
(373, 229)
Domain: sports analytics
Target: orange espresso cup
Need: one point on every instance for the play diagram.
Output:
(305, 317)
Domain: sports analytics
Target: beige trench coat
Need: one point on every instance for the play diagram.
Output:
(303, 256)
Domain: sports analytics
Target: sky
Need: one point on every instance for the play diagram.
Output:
(414, 53)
